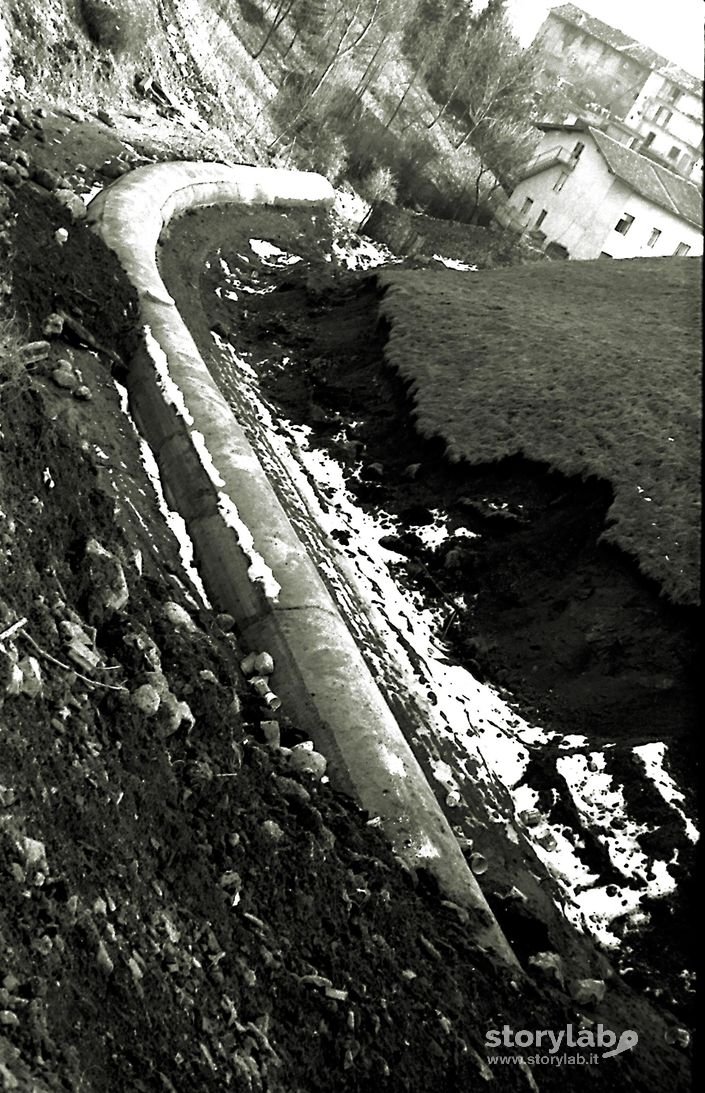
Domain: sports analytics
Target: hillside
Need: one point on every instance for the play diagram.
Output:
(188, 901)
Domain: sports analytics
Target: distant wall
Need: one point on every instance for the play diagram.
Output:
(416, 235)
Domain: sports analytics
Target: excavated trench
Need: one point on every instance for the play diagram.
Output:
(527, 597)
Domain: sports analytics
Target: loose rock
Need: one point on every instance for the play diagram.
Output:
(53, 325)
(272, 830)
(47, 178)
(64, 376)
(109, 591)
(588, 991)
(179, 617)
(550, 964)
(304, 761)
(146, 698)
(33, 352)
(73, 203)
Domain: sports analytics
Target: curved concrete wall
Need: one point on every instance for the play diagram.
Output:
(249, 556)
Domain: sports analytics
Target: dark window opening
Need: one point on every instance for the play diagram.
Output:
(622, 226)
(654, 237)
(578, 151)
(526, 207)
(663, 116)
(681, 250)
(541, 217)
(674, 153)
(649, 140)
(560, 181)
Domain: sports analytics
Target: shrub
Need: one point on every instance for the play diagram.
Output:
(322, 150)
(120, 26)
(379, 185)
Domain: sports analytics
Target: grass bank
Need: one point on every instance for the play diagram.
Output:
(590, 367)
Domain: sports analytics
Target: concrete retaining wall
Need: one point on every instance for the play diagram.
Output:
(249, 556)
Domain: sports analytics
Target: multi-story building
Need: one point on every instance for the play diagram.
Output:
(636, 96)
(584, 195)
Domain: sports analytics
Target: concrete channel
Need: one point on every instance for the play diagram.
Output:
(251, 560)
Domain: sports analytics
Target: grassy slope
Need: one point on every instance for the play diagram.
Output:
(590, 367)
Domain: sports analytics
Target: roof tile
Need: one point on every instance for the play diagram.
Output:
(652, 181)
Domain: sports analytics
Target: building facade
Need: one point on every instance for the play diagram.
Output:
(588, 196)
(638, 97)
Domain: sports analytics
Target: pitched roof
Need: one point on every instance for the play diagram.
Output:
(650, 180)
(629, 47)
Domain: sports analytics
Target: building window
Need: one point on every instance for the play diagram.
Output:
(681, 250)
(541, 217)
(649, 140)
(622, 226)
(674, 153)
(577, 151)
(560, 181)
(663, 116)
(654, 237)
(526, 207)
(670, 91)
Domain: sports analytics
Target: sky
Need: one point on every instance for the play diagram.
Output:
(674, 28)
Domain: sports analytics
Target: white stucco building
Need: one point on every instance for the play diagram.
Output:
(586, 193)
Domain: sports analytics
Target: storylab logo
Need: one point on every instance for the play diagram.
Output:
(566, 1047)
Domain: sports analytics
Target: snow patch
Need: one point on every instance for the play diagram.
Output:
(452, 263)
(272, 255)
(173, 394)
(175, 522)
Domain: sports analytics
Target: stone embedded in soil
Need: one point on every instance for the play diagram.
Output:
(264, 664)
(33, 851)
(83, 393)
(247, 665)
(103, 960)
(588, 992)
(64, 376)
(291, 790)
(109, 591)
(9, 174)
(179, 617)
(53, 325)
(304, 761)
(179, 714)
(272, 733)
(147, 699)
(114, 168)
(33, 352)
(550, 964)
(73, 203)
(47, 178)
(272, 830)
(31, 677)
